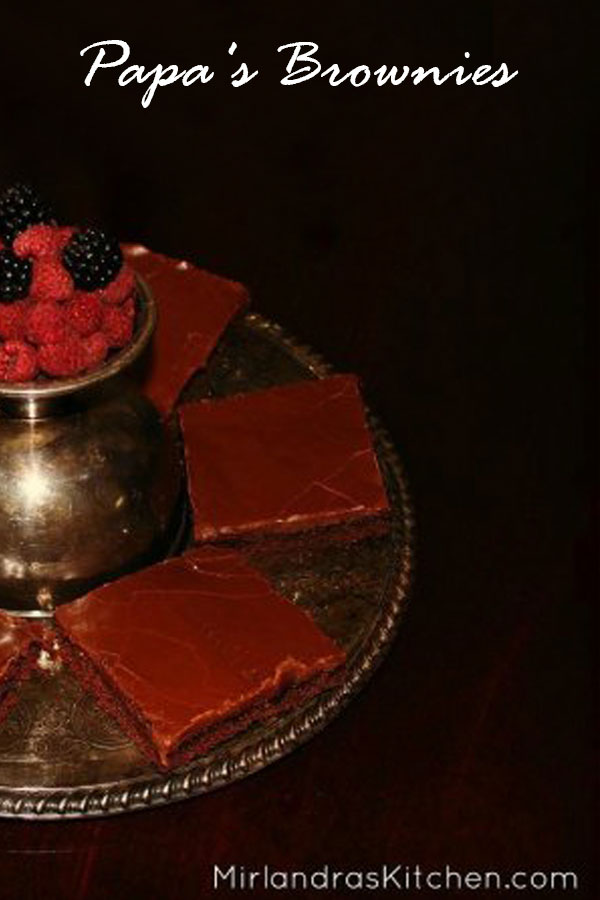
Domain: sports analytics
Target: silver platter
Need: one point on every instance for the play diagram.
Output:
(62, 758)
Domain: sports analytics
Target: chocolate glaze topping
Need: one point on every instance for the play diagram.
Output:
(282, 459)
(195, 641)
(194, 308)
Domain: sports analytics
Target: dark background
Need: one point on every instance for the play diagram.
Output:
(433, 240)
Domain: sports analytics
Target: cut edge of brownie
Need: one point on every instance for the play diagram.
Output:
(289, 698)
(135, 725)
(108, 696)
(19, 670)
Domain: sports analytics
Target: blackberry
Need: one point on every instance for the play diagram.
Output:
(15, 276)
(92, 258)
(20, 207)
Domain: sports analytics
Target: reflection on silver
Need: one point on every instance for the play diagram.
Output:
(34, 487)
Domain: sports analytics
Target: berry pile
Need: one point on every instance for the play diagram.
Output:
(66, 296)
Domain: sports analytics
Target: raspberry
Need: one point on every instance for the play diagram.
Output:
(64, 235)
(50, 281)
(120, 288)
(117, 323)
(85, 313)
(38, 241)
(96, 349)
(20, 207)
(18, 361)
(93, 258)
(66, 358)
(12, 320)
(47, 323)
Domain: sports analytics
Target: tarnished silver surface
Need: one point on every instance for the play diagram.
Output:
(60, 757)
(91, 481)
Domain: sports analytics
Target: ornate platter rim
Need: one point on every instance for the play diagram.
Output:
(146, 792)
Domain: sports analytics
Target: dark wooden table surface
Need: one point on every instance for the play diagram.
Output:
(433, 241)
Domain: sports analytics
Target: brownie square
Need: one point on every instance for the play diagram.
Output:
(193, 650)
(194, 308)
(281, 460)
